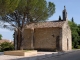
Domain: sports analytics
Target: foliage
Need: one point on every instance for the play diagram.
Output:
(72, 19)
(0, 37)
(36, 10)
(59, 18)
(75, 28)
(6, 46)
(27, 11)
(8, 6)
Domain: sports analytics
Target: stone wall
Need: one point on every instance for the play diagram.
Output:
(47, 38)
(43, 38)
(27, 39)
(66, 38)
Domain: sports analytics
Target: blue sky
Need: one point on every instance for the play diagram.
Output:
(72, 7)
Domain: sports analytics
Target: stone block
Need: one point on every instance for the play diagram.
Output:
(21, 53)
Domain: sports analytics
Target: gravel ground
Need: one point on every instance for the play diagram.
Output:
(38, 56)
(33, 57)
(9, 57)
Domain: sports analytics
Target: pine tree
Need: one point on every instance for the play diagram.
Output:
(72, 19)
(27, 11)
(60, 18)
(8, 6)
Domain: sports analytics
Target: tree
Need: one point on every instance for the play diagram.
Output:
(28, 11)
(79, 29)
(0, 37)
(75, 34)
(72, 19)
(60, 18)
(78, 34)
(6, 46)
(73, 27)
(8, 6)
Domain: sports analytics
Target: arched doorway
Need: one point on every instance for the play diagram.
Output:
(58, 43)
(67, 44)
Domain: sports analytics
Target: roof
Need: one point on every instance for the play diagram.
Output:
(1, 41)
(46, 24)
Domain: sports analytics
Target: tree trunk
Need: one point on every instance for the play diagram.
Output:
(18, 40)
(15, 40)
(21, 42)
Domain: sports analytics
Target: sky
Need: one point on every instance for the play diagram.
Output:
(72, 7)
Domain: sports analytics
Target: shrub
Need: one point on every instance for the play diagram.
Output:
(78, 46)
(6, 46)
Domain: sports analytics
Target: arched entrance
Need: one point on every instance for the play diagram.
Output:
(67, 44)
(58, 43)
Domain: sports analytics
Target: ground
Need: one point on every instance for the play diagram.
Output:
(70, 55)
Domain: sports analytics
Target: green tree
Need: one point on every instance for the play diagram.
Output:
(59, 18)
(75, 34)
(28, 11)
(6, 46)
(0, 37)
(78, 34)
(79, 29)
(8, 6)
(72, 19)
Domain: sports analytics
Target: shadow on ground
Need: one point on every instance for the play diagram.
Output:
(1, 53)
(41, 57)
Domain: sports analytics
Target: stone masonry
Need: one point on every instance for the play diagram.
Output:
(51, 35)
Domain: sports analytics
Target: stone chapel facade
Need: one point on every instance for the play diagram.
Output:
(51, 35)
